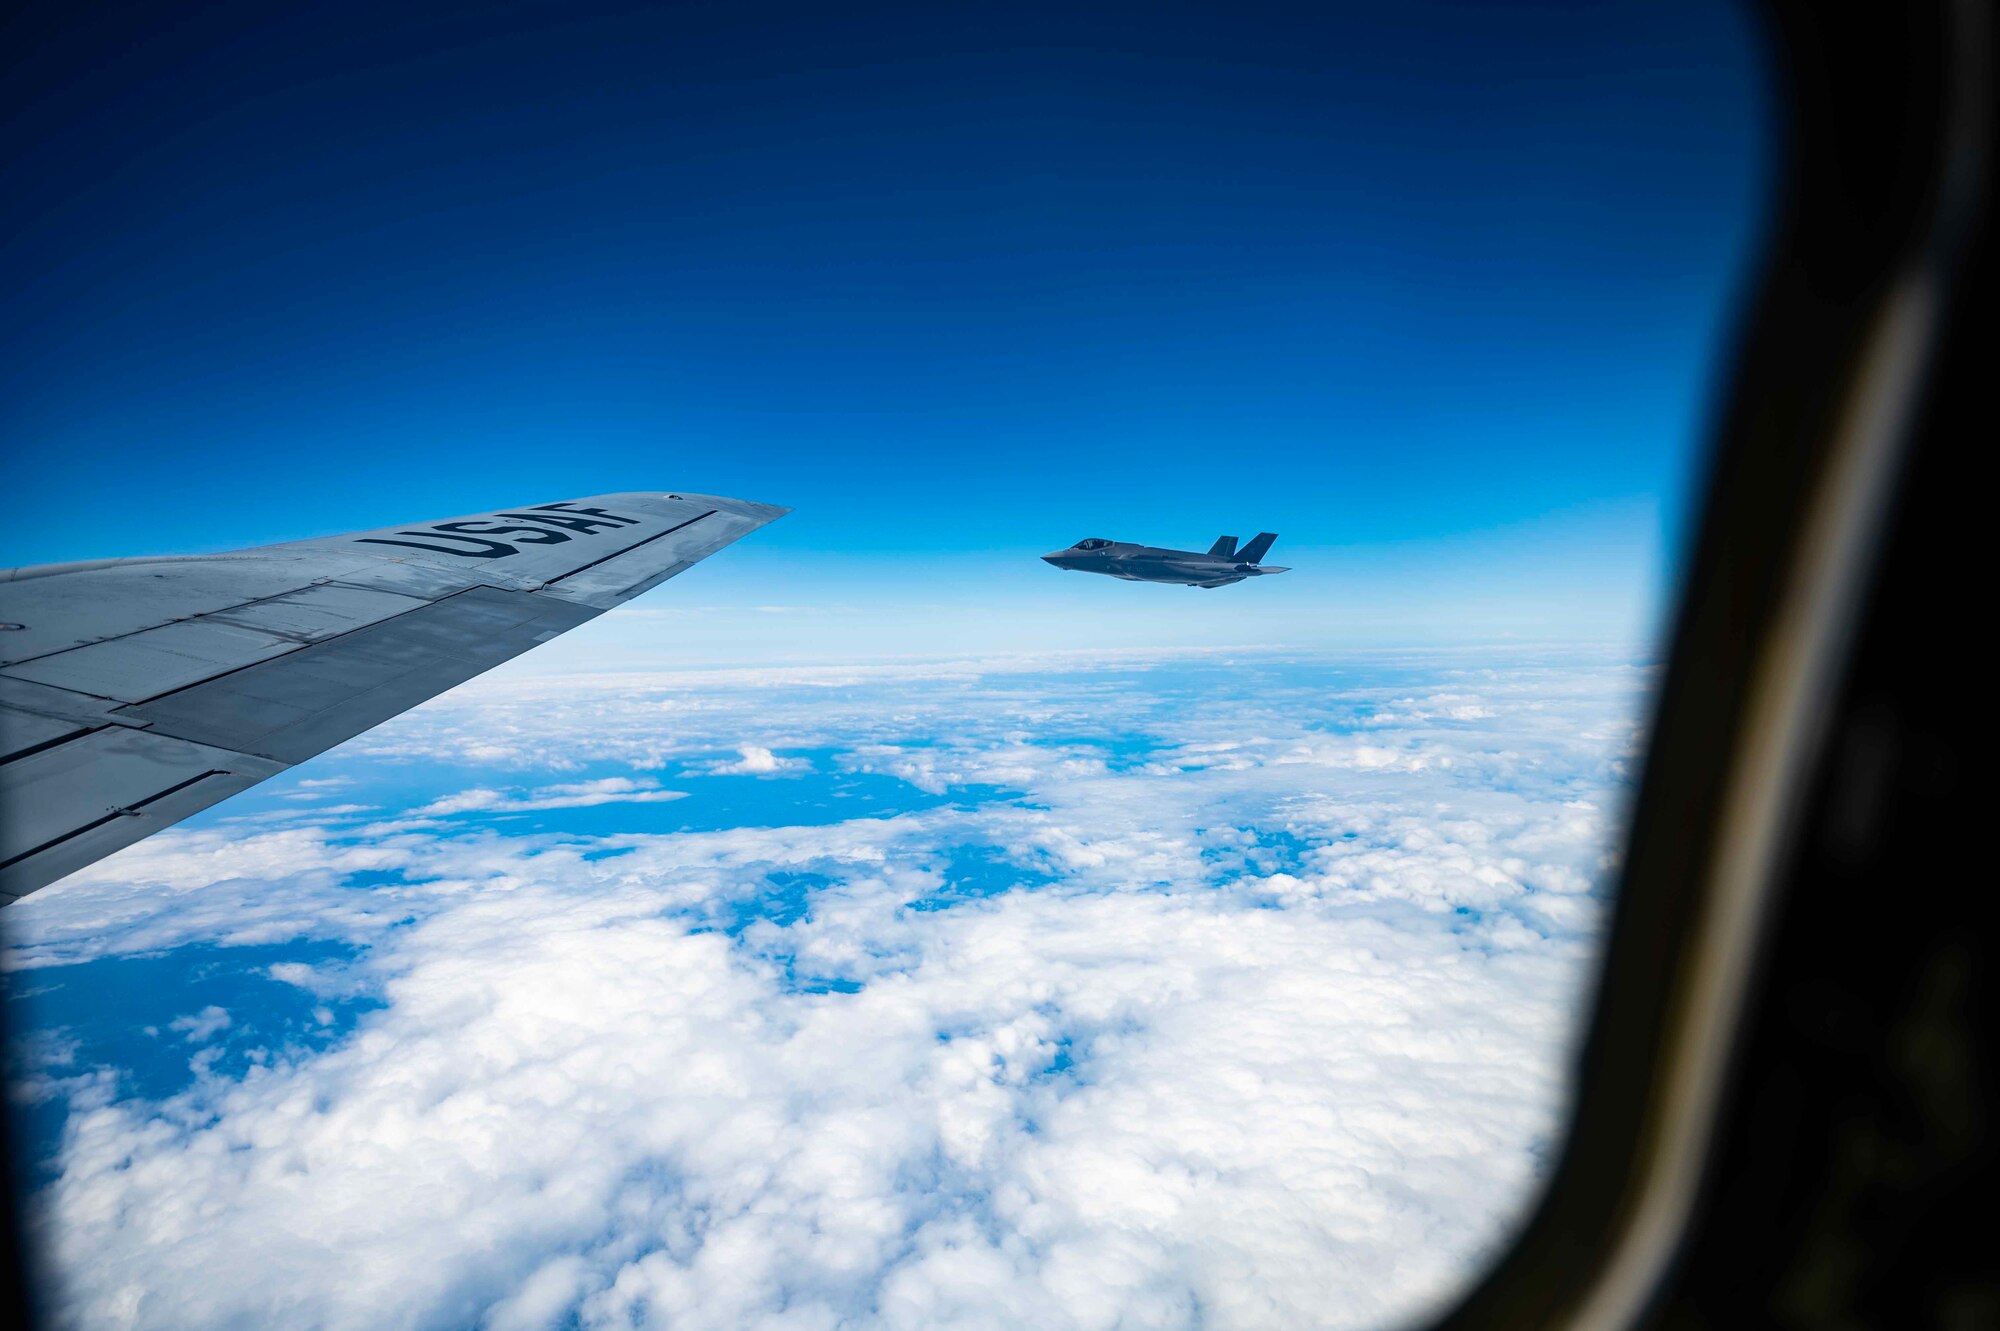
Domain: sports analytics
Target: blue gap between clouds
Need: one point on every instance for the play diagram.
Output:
(971, 872)
(398, 788)
(974, 872)
(118, 1011)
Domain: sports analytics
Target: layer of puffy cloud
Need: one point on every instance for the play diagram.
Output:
(1253, 1015)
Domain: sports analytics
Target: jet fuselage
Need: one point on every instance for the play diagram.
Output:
(1152, 563)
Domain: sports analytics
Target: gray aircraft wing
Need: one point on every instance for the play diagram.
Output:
(135, 692)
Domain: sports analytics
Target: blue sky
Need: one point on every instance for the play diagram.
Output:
(1435, 293)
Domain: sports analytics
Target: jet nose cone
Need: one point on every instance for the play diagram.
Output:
(1054, 557)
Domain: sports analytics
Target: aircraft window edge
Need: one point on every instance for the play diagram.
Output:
(1620, 1178)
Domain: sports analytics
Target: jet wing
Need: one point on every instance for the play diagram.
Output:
(135, 692)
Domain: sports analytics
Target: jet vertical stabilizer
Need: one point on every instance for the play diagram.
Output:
(1259, 546)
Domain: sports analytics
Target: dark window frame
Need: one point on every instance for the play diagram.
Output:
(1861, 296)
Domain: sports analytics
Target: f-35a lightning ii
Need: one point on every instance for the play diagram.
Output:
(1222, 565)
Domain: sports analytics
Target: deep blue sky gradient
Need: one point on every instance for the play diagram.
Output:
(960, 284)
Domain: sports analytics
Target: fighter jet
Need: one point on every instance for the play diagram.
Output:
(1222, 565)
(134, 692)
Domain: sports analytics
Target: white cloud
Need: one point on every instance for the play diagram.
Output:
(317, 813)
(203, 1026)
(616, 1096)
(752, 760)
(572, 795)
(1247, 1026)
(314, 788)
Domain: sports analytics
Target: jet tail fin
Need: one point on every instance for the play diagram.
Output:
(1259, 545)
(1224, 546)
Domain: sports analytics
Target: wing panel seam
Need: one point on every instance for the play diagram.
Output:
(303, 646)
(630, 548)
(122, 811)
(70, 737)
(218, 616)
